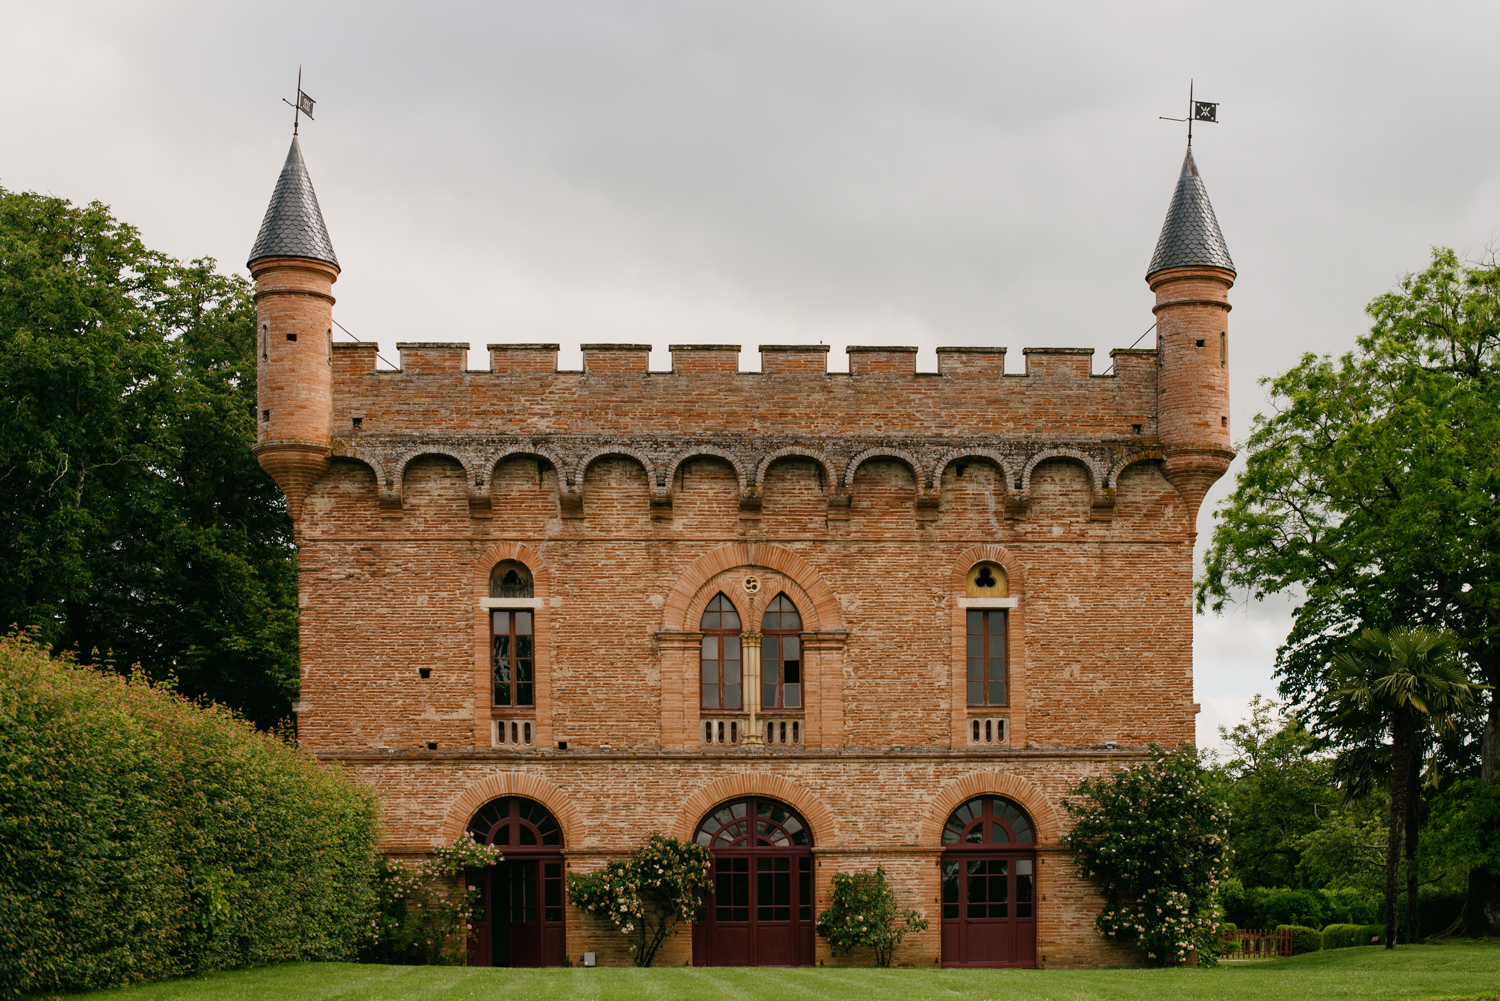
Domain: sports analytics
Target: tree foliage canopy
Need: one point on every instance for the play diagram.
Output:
(1279, 789)
(138, 527)
(1371, 488)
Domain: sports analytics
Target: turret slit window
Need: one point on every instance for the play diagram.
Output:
(721, 658)
(781, 655)
(512, 639)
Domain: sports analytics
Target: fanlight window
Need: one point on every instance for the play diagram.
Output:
(781, 655)
(721, 655)
(988, 820)
(753, 823)
(514, 822)
(510, 579)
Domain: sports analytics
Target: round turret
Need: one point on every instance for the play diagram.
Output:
(1191, 274)
(294, 268)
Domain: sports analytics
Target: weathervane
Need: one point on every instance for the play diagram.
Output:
(304, 105)
(1198, 111)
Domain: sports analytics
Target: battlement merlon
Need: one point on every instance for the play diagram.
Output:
(1056, 396)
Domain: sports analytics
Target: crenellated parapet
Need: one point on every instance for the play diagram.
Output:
(1055, 396)
(661, 455)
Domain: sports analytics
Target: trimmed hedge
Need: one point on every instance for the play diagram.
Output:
(143, 836)
(1344, 936)
(1304, 939)
(1373, 934)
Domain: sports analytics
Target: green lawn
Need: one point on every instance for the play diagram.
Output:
(1423, 971)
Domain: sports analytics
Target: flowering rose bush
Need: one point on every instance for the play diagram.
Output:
(864, 913)
(424, 912)
(647, 894)
(1154, 838)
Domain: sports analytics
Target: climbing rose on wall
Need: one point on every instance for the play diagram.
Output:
(648, 893)
(425, 910)
(1154, 838)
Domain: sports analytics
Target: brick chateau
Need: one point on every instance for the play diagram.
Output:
(816, 621)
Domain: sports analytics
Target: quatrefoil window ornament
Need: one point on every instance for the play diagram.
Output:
(752, 584)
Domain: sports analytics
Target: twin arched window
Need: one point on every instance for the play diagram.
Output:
(780, 655)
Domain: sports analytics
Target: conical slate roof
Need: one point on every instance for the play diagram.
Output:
(293, 226)
(1191, 233)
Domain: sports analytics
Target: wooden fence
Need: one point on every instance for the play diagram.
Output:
(1252, 943)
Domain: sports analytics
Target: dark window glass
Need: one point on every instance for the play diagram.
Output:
(552, 891)
(985, 650)
(1023, 888)
(720, 660)
(731, 889)
(512, 658)
(510, 580)
(781, 655)
(804, 889)
(950, 890)
(773, 889)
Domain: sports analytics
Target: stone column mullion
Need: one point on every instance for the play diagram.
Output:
(750, 672)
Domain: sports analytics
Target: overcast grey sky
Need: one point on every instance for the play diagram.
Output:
(848, 172)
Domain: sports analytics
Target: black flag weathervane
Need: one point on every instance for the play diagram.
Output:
(304, 105)
(1198, 111)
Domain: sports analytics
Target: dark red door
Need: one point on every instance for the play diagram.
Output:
(760, 906)
(989, 886)
(519, 915)
(989, 911)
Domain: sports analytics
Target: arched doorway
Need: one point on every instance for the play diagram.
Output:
(989, 885)
(520, 919)
(760, 905)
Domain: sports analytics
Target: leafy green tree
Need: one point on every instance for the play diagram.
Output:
(1370, 492)
(1155, 840)
(1279, 787)
(648, 894)
(138, 527)
(864, 913)
(1409, 680)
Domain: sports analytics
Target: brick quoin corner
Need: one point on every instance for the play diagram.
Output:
(1030, 526)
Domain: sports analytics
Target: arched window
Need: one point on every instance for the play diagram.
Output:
(513, 822)
(721, 654)
(988, 820)
(987, 633)
(510, 579)
(781, 655)
(512, 639)
(753, 823)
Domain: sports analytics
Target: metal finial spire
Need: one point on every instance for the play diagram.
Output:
(1198, 111)
(303, 106)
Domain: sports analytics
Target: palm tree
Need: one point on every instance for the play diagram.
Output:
(1410, 680)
